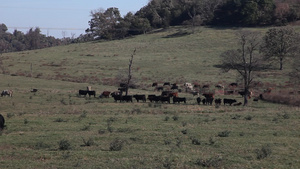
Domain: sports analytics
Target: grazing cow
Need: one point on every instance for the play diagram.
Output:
(122, 89)
(33, 90)
(243, 93)
(167, 84)
(218, 101)
(219, 86)
(127, 98)
(151, 97)
(154, 98)
(233, 84)
(117, 97)
(198, 100)
(237, 104)
(188, 86)
(205, 86)
(179, 99)
(91, 93)
(209, 98)
(159, 88)
(204, 101)
(154, 84)
(105, 94)
(195, 93)
(6, 93)
(123, 85)
(165, 99)
(82, 92)
(169, 93)
(140, 97)
(174, 88)
(228, 101)
(2, 121)
(197, 86)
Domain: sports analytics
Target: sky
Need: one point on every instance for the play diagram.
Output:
(58, 18)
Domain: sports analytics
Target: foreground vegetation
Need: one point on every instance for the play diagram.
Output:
(54, 128)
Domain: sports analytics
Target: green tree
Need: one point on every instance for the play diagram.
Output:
(103, 24)
(280, 43)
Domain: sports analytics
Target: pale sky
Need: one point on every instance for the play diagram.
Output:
(58, 17)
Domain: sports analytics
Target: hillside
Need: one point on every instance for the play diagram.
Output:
(172, 55)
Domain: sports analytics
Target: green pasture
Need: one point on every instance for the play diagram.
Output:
(55, 128)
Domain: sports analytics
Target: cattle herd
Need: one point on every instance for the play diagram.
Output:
(168, 94)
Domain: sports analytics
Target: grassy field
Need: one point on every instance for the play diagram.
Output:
(54, 128)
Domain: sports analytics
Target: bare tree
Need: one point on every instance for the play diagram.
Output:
(129, 71)
(280, 43)
(245, 60)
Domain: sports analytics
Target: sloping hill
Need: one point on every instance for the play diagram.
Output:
(173, 55)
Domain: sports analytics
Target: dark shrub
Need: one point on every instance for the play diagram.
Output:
(224, 133)
(116, 145)
(64, 145)
(264, 152)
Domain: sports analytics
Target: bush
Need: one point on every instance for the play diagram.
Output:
(64, 145)
(213, 162)
(264, 152)
(248, 117)
(116, 145)
(224, 133)
(89, 142)
(175, 117)
(196, 141)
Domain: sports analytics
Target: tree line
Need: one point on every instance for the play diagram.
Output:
(33, 39)
(108, 24)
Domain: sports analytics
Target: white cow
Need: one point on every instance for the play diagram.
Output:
(188, 86)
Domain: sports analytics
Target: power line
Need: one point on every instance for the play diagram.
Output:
(27, 28)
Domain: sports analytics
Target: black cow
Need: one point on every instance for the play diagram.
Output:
(34, 90)
(209, 98)
(165, 99)
(140, 97)
(154, 84)
(117, 97)
(123, 85)
(218, 101)
(204, 101)
(179, 99)
(159, 88)
(91, 93)
(82, 92)
(6, 93)
(229, 101)
(167, 84)
(198, 100)
(153, 98)
(2, 121)
(174, 88)
(127, 98)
